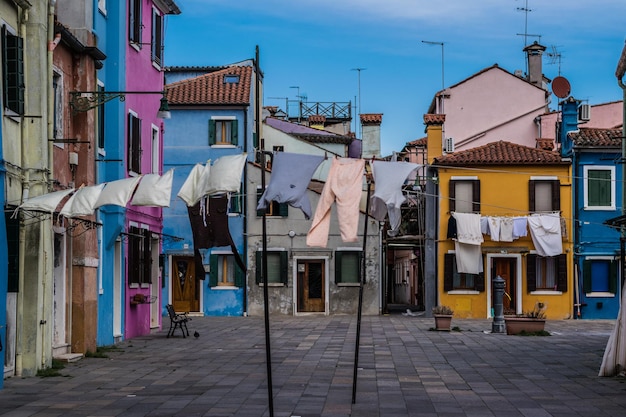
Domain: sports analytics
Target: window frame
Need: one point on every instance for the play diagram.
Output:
(475, 183)
(57, 86)
(555, 185)
(233, 140)
(586, 187)
(340, 253)
(449, 274)
(283, 272)
(139, 256)
(156, 43)
(560, 272)
(274, 208)
(214, 282)
(134, 23)
(613, 277)
(13, 73)
(134, 151)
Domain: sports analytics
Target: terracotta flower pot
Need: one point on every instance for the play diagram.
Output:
(516, 325)
(442, 321)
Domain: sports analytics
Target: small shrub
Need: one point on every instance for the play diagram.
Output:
(442, 309)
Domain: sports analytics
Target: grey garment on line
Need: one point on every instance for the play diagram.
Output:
(291, 175)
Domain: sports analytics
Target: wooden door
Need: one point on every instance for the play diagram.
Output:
(311, 285)
(185, 289)
(505, 268)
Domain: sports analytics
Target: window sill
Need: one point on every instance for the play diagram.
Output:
(133, 285)
(463, 292)
(599, 208)
(546, 292)
(272, 284)
(348, 284)
(224, 287)
(599, 294)
(223, 146)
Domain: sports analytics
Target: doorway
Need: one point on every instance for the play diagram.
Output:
(509, 267)
(505, 268)
(311, 285)
(185, 288)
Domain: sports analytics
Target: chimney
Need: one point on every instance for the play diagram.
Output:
(317, 121)
(546, 144)
(534, 56)
(370, 126)
(434, 135)
(569, 123)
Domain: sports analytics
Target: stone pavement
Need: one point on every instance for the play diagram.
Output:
(405, 369)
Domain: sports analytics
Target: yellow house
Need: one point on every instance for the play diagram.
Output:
(519, 198)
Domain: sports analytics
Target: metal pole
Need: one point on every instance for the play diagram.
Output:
(361, 282)
(498, 325)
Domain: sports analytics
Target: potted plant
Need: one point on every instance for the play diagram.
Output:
(443, 317)
(529, 322)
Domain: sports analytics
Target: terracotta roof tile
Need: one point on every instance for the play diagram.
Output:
(434, 119)
(371, 118)
(418, 142)
(590, 137)
(501, 153)
(212, 88)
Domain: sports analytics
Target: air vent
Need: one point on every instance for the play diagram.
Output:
(584, 113)
(448, 145)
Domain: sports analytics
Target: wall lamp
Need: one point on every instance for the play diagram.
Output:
(82, 101)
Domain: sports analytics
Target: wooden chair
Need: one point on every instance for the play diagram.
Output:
(177, 321)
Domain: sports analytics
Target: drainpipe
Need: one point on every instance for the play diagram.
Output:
(619, 73)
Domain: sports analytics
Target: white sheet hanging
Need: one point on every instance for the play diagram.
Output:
(225, 176)
(545, 230)
(46, 202)
(195, 186)
(117, 192)
(154, 190)
(83, 201)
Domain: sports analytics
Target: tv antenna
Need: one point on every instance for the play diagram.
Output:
(555, 57)
(525, 9)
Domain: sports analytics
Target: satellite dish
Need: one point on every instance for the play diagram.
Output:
(560, 87)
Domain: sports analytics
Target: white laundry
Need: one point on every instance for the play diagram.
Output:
(545, 230)
(154, 190)
(494, 228)
(467, 245)
(506, 229)
(520, 227)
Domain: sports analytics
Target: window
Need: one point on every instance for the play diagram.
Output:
(453, 280)
(600, 276)
(157, 38)
(277, 267)
(134, 144)
(223, 132)
(546, 273)
(57, 86)
(599, 187)
(225, 271)
(348, 266)
(134, 21)
(544, 194)
(274, 209)
(155, 150)
(231, 79)
(234, 204)
(139, 256)
(13, 250)
(13, 71)
(465, 195)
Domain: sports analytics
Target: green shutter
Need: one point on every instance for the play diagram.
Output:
(13, 251)
(479, 282)
(284, 267)
(561, 273)
(476, 196)
(531, 196)
(613, 275)
(240, 276)
(338, 256)
(598, 187)
(556, 195)
(448, 271)
(211, 132)
(586, 276)
(531, 272)
(452, 195)
(283, 209)
(234, 133)
(214, 270)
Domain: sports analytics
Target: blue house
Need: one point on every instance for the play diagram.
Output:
(596, 170)
(213, 116)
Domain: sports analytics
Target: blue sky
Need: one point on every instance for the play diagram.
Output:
(316, 45)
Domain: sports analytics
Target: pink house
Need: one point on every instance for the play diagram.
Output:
(143, 155)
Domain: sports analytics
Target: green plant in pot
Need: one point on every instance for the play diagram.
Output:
(443, 317)
(529, 322)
